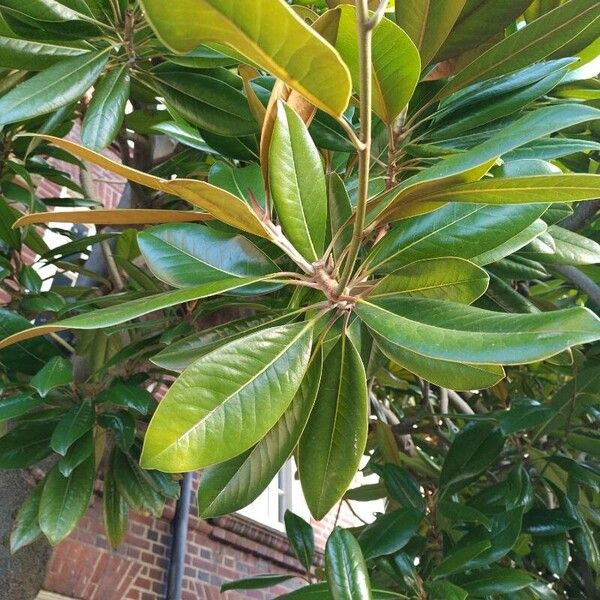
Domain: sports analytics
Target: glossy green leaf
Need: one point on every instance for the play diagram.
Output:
(26, 528)
(551, 148)
(136, 485)
(523, 415)
(255, 583)
(297, 183)
(474, 449)
(455, 560)
(301, 537)
(479, 22)
(114, 507)
(122, 426)
(498, 580)
(186, 255)
(347, 574)
(115, 315)
(57, 372)
(18, 404)
(105, 112)
(472, 164)
(553, 553)
(207, 102)
(64, 500)
(52, 88)
(77, 421)
(340, 211)
(403, 488)
(534, 42)
(239, 181)
(76, 454)
(561, 246)
(548, 523)
(206, 418)
(182, 353)
(396, 63)
(444, 590)
(129, 395)
(428, 23)
(29, 55)
(452, 279)
(25, 445)
(459, 333)
(230, 486)
(390, 532)
(498, 107)
(463, 513)
(332, 444)
(255, 30)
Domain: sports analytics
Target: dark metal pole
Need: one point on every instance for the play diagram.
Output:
(179, 539)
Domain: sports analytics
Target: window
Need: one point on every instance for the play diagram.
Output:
(283, 493)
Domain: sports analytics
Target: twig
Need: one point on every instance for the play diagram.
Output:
(459, 403)
(580, 280)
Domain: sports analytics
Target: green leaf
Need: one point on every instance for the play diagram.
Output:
(25, 445)
(115, 315)
(17, 405)
(534, 42)
(186, 254)
(403, 488)
(30, 279)
(561, 246)
(573, 187)
(128, 395)
(26, 528)
(122, 426)
(181, 354)
(52, 88)
(229, 486)
(301, 538)
(501, 106)
(455, 560)
(114, 507)
(207, 102)
(256, 583)
(334, 439)
(136, 485)
(458, 333)
(452, 279)
(522, 415)
(472, 164)
(206, 418)
(428, 23)
(105, 112)
(58, 371)
(77, 421)
(444, 590)
(347, 574)
(474, 449)
(297, 183)
(340, 211)
(76, 454)
(543, 522)
(479, 22)
(396, 63)
(459, 230)
(463, 513)
(255, 30)
(29, 55)
(390, 532)
(553, 553)
(551, 148)
(239, 180)
(64, 500)
(498, 580)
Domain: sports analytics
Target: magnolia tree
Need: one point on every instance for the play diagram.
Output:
(370, 241)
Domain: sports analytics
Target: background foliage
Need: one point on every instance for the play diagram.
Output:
(343, 253)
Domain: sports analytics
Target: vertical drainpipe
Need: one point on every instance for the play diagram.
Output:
(179, 539)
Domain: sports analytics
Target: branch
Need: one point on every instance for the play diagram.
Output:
(364, 153)
(580, 280)
(459, 403)
(582, 215)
